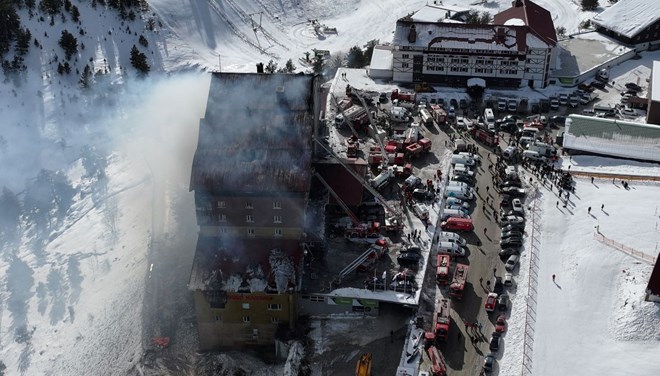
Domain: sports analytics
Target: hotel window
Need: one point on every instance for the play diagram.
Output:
(277, 205)
(278, 232)
(221, 205)
(249, 218)
(250, 232)
(277, 219)
(274, 320)
(218, 318)
(222, 218)
(464, 63)
(405, 56)
(223, 230)
(248, 205)
(246, 318)
(404, 65)
(454, 65)
(246, 305)
(274, 307)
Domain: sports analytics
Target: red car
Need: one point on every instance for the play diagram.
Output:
(491, 301)
(500, 324)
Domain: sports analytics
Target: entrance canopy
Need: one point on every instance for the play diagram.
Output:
(476, 82)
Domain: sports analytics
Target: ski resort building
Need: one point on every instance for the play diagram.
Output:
(633, 22)
(518, 49)
(251, 176)
(653, 287)
(653, 108)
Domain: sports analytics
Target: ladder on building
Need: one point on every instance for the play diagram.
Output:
(354, 265)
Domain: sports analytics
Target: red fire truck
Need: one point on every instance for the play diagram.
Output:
(442, 321)
(438, 114)
(442, 269)
(458, 282)
(438, 366)
(487, 137)
(402, 96)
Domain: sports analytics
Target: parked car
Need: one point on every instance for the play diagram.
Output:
(508, 279)
(511, 242)
(500, 324)
(503, 302)
(489, 363)
(517, 206)
(463, 178)
(423, 194)
(510, 183)
(409, 259)
(514, 227)
(512, 106)
(460, 122)
(382, 98)
(511, 262)
(563, 99)
(554, 103)
(558, 120)
(514, 191)
(573, 100)
(585, 87)
(498, 286)
(507, 252)
(598, 84)
(462, 104)
(633, 86)
(494, 344)
(491, 302)
(511, 234)
(457, 201)
(509, 219)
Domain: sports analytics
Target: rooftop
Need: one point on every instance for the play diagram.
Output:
(628, 17)
(256, 134)
(437, 12)
(578, 55)
(462, 36)
(525, 12)
(654, 281)
(381, 58)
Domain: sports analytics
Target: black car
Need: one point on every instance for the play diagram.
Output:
(514, 227)
(514, 191)
(423, 194)
(506, 201)
(489, 362)
(558, 120)
(511, 234)
(633, 86)
(498, 286)
(463, 104)
(511, 242)
(463, 178)
(629, 93)
(598, 84)
(503, 302)
(494, 342)
(511, 183)
(409, 258)
(506, 252)
(453, 102)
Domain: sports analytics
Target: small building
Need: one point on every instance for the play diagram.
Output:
(633, 22)
(612, 138)
(653, 288)
(517, 50)
(380, 66)
(653, 110)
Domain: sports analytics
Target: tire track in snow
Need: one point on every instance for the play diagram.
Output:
(249, 21)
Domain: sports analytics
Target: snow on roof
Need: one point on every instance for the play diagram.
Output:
(381, 58)
(436, 12)
(628, 17)
(476, 82)
(655, 81)
(653, 286)
(460, 36)
(514, 22)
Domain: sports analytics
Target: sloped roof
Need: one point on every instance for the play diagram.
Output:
(654, 281)
(629, 17)
(538, 19)
(437, 12)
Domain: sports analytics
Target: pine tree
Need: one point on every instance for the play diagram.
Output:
(10, 25)
(289, 67)
(271, 67)
(85, 77)
(51, 7)
(589, 4)
(69, 44)
(139, 60)
(355, 57)
(75, 14)
(143, 41)
(23, 38)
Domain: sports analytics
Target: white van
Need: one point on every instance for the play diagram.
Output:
(460, 169)
(489, 117)
(533, 155)
(456, 240)
(459, 193)
(474, 156)
(399, 114)
(460, 184)
(443, 235)
(462, 159)
(451, 248)
(449, 213)
(422, 211)
(543, 149)
(524, 141)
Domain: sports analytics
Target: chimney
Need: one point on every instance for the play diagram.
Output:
(517, 3)
(412, 34)
(260, 67)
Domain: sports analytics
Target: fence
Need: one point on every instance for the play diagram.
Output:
(530, 298)
(624, 248)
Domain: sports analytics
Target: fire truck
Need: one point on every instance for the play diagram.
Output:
(418, 148)
(438, 114)
(442, 269)
(442, 321)
(352, 146)
(487, 137)
(438, 366)
(402, 96)
(458, 282)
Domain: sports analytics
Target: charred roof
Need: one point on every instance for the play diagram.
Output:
(256, 134)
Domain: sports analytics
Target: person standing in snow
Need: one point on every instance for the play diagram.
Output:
(553, 278)
(589, 210)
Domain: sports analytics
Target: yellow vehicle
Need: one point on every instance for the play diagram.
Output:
(363, 367)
